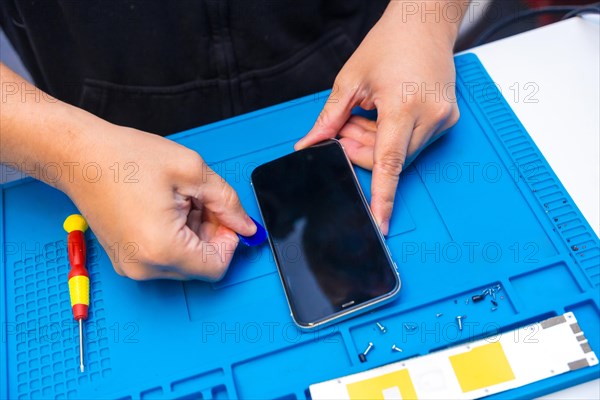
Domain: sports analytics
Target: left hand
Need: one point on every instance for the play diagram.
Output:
(405, 69)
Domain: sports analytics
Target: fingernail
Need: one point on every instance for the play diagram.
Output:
(258, 238)
(251, 224)
(385, 227)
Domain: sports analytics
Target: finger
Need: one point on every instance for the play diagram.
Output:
(173, 276)
(421, 135)
(203, 223)
(208, 259)
(194, 220)
(366, 123)
(358, 153)
(358, 133)
(332, 118)
(394, 130)
(118, 269)
(110, 251)
(217, 196)
(424, 133)
(142, 272)
(209, 226)
(167, 274)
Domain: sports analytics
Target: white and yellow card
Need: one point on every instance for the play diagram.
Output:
(472, 370)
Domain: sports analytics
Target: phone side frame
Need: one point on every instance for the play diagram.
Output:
(344, 314)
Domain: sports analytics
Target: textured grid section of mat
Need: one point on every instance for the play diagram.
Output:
(479, 209)
(46, 335)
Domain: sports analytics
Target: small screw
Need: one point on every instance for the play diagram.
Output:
(439, 314)
(382, 328)
(410, 327)
(477, 298)
(467, 300)
(396, 348)
(493, 308)
(459, 319)
(363, 356)
(494, 303)
(574, 248)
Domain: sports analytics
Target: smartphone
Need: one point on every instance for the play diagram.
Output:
(331, 256)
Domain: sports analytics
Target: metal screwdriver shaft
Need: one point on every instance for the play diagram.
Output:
(81, 365)
(79, 281)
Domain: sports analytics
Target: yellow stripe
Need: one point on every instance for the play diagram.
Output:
(79, 289)
(481, 367)
(397, 382)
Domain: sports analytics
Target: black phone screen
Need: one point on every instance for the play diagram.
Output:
(330, 256)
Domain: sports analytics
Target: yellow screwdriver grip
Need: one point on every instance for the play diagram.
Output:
(79, 290)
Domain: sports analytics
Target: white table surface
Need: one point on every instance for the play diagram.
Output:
(562, 61)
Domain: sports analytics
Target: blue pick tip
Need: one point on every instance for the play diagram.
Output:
(258, 238)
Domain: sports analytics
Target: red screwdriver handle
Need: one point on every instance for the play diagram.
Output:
(79, 279)
(76, 250)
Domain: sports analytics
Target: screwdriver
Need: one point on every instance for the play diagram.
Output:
(79, 281)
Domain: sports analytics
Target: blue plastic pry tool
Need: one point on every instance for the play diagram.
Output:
(258, 238)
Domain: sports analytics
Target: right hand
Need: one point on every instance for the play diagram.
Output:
(158, 210)
(154, 205)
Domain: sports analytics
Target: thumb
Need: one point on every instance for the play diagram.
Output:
(332, 118)
(216, 195)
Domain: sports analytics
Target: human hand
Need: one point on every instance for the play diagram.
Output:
(167, 216)
(405, 69)
(157, 209)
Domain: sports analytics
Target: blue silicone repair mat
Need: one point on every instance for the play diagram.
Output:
(480, 207)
